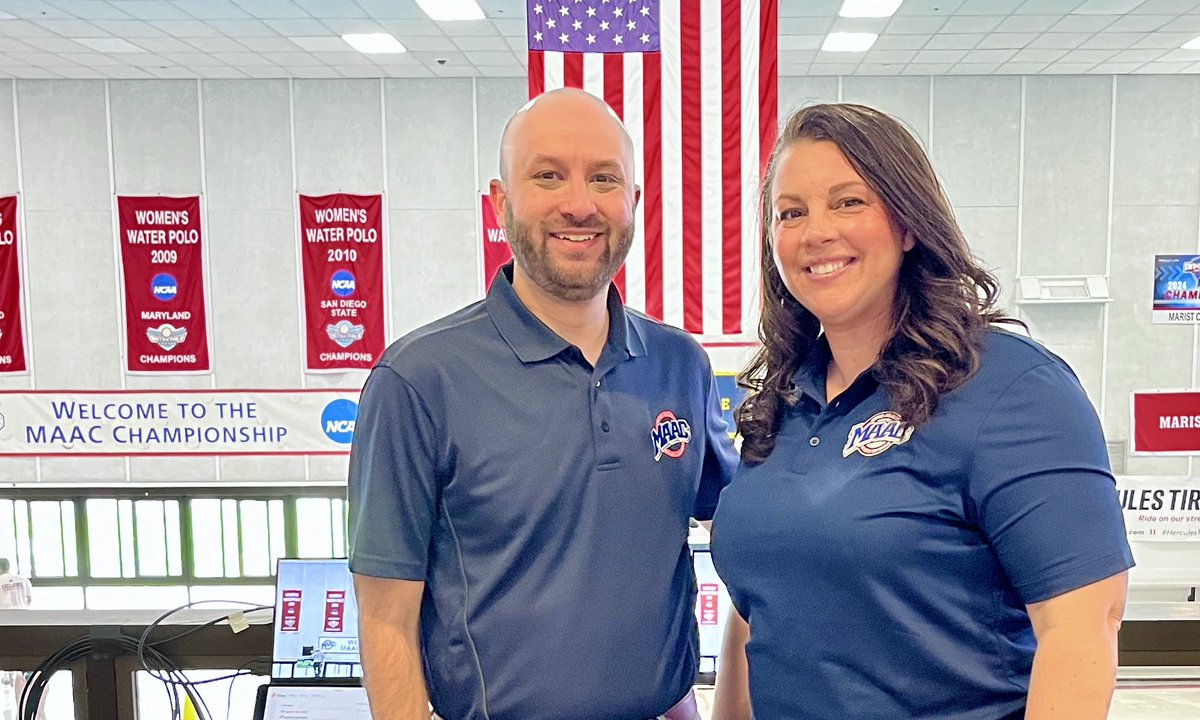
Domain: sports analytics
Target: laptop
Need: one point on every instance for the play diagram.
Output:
(316, 670)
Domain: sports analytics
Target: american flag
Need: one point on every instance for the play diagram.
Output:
(696, 82)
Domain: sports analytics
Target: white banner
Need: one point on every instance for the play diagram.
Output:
(1160, 508)
(177, 422)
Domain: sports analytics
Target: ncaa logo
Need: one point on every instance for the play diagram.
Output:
(342, 283)
(164, 287)
(670, 435)
(337, 420)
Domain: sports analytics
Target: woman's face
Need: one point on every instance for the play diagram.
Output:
(834, 242)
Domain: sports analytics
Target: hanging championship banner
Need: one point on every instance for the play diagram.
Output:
(341, 253)
(1176, 289)
(177, 422)
(496, 251)
(162, 265)
(12, 338)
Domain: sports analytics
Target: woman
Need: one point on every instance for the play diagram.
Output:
(924, 524)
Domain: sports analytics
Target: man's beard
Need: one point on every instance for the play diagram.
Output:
(573, 287)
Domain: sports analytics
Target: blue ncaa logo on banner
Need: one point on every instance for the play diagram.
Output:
(164, 287)
(343, 283)
(337, 420)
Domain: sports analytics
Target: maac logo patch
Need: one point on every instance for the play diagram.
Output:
(671, 435)
(880, 432)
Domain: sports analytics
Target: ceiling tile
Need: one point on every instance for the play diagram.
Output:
(211, 9)
(1115, 68)
(429, 59)
(1067, 68)
(343, 57)
(1062, 40)
(1106, 7)
(1006, 40)
(806, 25)
(274, 44)
(314, 72)
(325, 43)
(519, 45)
(501, 70)
(1138, 55)
(292, 58)
(408, 71)
(186, 28)
(860, 25)
(803, 8)
(800, 42)
(798, 57)
(392, 10)
(1036, 55)
(434, 43)
(218, 72)
(989, 7)
(1156, 68)
(143, 10)
(131, 29)
(929, 7)
(331, 8)
(481, 43)
(1168, 7)
(829, 70)
(345, 26)
(971, 23)
(1111, 41)
(405, 28)
(1180, 55)
(1163, 40)
(1087, 56)
(216, 44)
(276, 9)
(1183, 23)
(74, 28)
(165, 45)
(485, 57)
(890, 57)
(837, 58)
(915, 25)
(974, 69)
(34, 10)
(266, 71)
(1021, 68)
(1082, 23)
(954, 42)
(993, 57)
(1045, 7)
(879, 69)
(92, 10)
(1027, 23)
(297, 27)
(466, 27)
(50, 45)
(901, 42)
(925, 69)
(510, 27)
(244, 28)
(940, 57)
(242, 59)
(1139, 23)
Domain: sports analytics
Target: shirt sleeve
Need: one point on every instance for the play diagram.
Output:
(392, 486)
(1041, 487)
(720, 459)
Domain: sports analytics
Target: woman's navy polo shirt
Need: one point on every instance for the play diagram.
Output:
(545, 504)
(885, 572)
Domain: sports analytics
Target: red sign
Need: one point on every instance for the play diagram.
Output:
(335, 611)
(1166, 422)
(496, 251)
(709, 593)
(341, 251)
(162, 261)
(289, 620)
(12, 339)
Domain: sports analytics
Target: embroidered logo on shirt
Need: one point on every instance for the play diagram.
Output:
(880, 432)
(671, 435)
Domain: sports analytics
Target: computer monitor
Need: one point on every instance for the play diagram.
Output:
(311, 702)
(316, 621)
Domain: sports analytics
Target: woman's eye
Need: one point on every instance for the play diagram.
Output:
(791, 214)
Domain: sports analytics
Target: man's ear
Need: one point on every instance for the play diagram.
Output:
(499, 197)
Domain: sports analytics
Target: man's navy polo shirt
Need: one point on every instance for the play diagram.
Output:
(545, 504)
(885, 573)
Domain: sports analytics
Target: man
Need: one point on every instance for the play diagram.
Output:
(15, 591)
(523, 470)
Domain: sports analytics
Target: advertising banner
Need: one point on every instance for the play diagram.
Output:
(1160, 508)
(177, 422)
(341, 256)
(162, 267)
(496, 251)
(1176, 291)
(12, 338)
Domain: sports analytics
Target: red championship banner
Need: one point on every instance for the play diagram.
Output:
(709, 596)
(496, 251)
(162, 265)
(12, 339)
(289, 620)
(335, 611)
(1165, 422)
(341, 251)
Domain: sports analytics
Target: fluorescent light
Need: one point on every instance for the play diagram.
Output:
(1193, 44)
(849, 42)
(446, 10)
(869, 8)
(373, 43)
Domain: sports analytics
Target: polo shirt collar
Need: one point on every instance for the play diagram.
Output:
(532, 341)
(810, 378)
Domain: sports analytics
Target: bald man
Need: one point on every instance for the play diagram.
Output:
(523, 470)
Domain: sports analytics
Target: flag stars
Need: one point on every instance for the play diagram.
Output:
(537, 9)
(617, 39)
(604, 25)
(577, 25)
(564, 11)
(538, 36)
(591, 12)
(617, 11)
(551, 23)
(564, 38)
(631, 25)
(591, 39)
(645, 11)
(645, 38)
